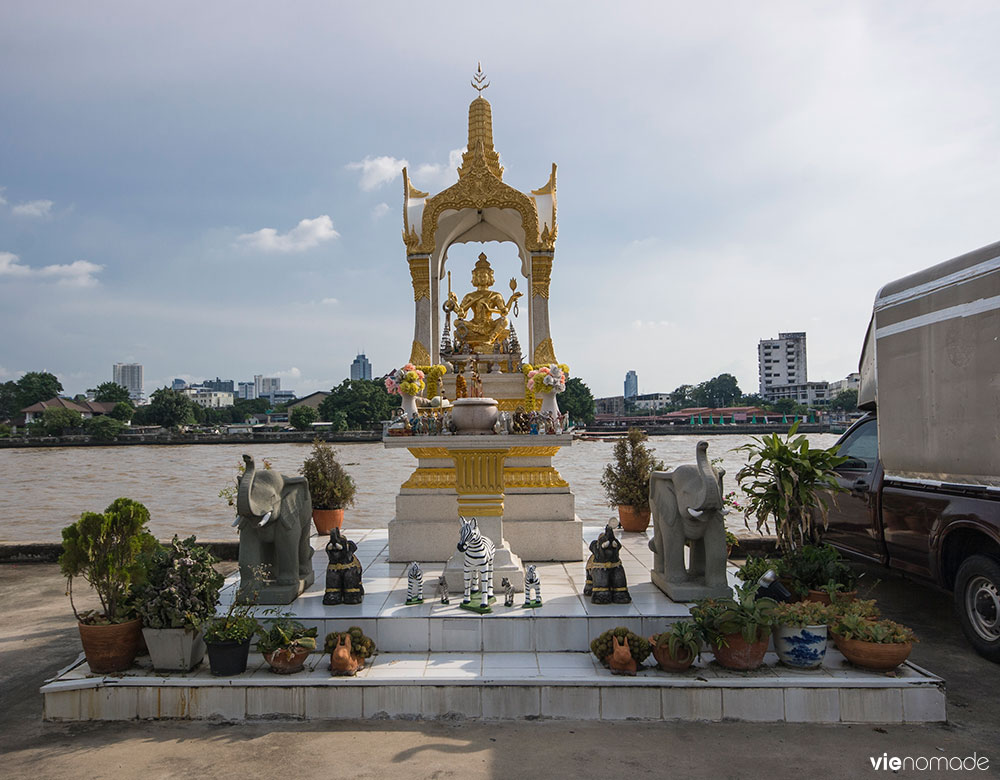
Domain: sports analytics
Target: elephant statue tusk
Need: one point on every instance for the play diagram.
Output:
(695, 512)
(263, 520)
(725, 512)
(236, 522)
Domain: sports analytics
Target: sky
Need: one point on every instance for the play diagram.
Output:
(214, 189)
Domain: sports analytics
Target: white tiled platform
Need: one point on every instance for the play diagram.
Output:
(436, 660)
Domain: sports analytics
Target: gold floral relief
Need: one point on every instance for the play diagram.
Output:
(541, 272)
(420, 274)
(419, 354)
(544, 355)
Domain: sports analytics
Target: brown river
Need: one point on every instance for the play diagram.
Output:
(45, 489)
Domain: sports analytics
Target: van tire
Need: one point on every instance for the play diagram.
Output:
(977, 601)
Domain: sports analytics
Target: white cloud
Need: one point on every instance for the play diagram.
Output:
(306, 235)
(292, 373)
(79, 273)
(3, 200)
(329, 301)
(433, 176)
(33, 208)
(376, 171)
(380, 211)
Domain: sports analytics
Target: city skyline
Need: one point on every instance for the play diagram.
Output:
(739, 173)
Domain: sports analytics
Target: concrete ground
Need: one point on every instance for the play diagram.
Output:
(38, 636)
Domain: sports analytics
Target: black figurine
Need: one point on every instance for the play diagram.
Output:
(605, 574)
(343, 572)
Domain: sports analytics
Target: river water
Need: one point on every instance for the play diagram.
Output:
(45, 489)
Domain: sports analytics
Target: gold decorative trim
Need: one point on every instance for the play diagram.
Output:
(549, 188)
(510, 404)
(532, 452)
(428, 452)
(431, 479)
(541, 272)
(478, 471)
(419, 354)
(420, 274)
(476, 509)
(533, 477)
(544, 353)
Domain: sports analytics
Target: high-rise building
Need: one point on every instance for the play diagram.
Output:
(220, 385)
(361, 368)
(265, 385)
(631, 385)
(246, 391)
(781, 362)
(178, 384)
(129, 376)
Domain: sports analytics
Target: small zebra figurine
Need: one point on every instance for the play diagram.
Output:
(508, 592)
(442, 589)
(414, 584)
(478, 565)
(532, 582)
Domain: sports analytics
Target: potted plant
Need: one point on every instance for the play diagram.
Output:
(620, 650)
(676, 649)
(754, 567)
(872, 643)
(286, 645)
(732, 542)
(815, 571)
(626, 481)
(108, 550)
(349, 650)
(330, 487)
(800, 633)
(788, 480)
(228, 639)
(737, 628)
(180, 594)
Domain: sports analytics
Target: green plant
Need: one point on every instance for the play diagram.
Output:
(103, 427)
(602, 647)
(788, 480)
(816, 567)
(754, 567)
(802, 613)
(865, 629)
(182, 586)
(330, 486)
(109, 551)
(732, 540)
(361, 645)
(302, 417)
(56, 419)
(626, 481)
(682, 640)
(866, 608)
(746, 614)
(286, 634)
(237, 625)
(230, 491)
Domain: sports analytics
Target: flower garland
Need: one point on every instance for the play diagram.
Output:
(409, 379)
(433, 376)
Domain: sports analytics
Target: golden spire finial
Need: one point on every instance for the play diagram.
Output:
(479, 78)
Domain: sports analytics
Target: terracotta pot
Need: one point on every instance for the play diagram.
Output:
(822, 597)
(286, 661)
(634, 518)
(740, 655)
(666, 661)
(326, 520)
(110, 648)
(872, 655)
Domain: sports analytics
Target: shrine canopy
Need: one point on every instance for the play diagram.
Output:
(479, 207)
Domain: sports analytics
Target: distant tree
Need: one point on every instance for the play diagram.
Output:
(170, 408)
(103, 427)
(302, 417)
(722, 390)
(845, 401)
(37, 386)
(58, 419)
(9, 396)
(242, 408)
(123, 411)
(786, 406)
(110, 391)
(364, 403)
(754, 399)
(681, 397)
(578, 401)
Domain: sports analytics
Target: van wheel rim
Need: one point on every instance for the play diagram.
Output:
(982, 604)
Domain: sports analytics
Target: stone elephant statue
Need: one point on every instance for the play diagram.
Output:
(687, 509)
(343, 572)
(274, 513)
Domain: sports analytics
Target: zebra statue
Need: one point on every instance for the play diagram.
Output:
(414, 584)
(532, 582)
(508, 592)
(478, 565)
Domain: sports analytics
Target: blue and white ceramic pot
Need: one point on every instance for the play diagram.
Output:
(802, 647)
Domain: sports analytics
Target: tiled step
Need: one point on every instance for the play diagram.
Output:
(505, 686)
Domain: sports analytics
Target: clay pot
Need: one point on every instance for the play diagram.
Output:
(110, 648)
(822, 597)
(634, 518)
(666, 661)
(873, 655)
(287, 661)
(740, 655)
(326, 520)
(343, 661)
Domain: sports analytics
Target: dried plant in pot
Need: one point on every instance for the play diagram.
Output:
(286, 645)
(676, 649)
(626, 480)
(620, 650)
(737, 628)
(179, 595)
(800, 634)
(331, 488)
(109, 550)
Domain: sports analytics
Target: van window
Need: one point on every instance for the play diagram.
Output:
(861, 445)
